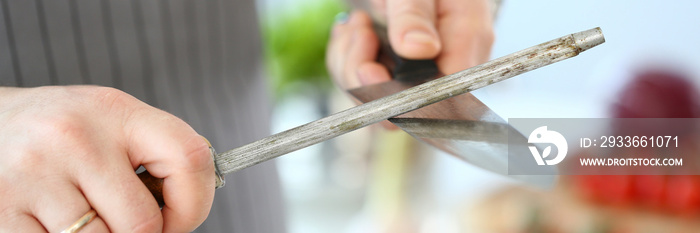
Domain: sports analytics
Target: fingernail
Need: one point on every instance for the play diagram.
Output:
(342, 18)
(207, 140)
(419, 37)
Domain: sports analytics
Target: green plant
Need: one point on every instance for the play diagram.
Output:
(295, 45)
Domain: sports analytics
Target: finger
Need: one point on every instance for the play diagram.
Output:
(352, 43)
(20, 223)
(371, 72)
(170, 149)
(466, 33)
(363, 49)
(411, 26)
(60, 205)
(338, 46)
(129, 207)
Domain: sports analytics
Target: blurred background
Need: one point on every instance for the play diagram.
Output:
(372, 180)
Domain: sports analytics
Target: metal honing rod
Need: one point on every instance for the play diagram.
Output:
(410, 99)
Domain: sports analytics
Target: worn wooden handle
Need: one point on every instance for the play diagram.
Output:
(155, 185)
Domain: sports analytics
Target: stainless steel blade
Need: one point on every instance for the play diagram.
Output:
(462, 126)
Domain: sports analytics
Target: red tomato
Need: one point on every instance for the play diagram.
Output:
(649, 190)
(618, 189)
(683, 194)
(589, 186)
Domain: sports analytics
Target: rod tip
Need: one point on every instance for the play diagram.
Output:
(589, 38)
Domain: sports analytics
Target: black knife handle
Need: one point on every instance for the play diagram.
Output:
(404, 70)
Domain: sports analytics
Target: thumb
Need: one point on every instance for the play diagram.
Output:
(411, 28)
(170, 149)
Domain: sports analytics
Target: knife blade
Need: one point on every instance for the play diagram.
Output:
(393, 105)
(461, 126)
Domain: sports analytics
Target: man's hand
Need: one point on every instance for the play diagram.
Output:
(458, 34)
(68, 149)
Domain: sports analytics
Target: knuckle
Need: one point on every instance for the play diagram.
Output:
(63, 135)
(64, 126)
(111, 99)
(66, 132)
(55, 127)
